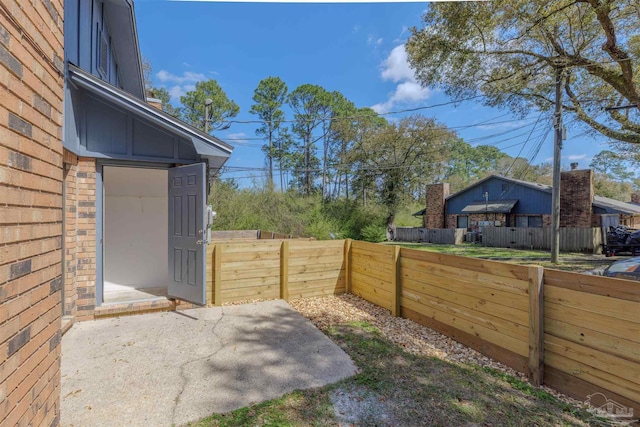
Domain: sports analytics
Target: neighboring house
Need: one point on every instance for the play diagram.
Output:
(135, 225)
(98, 189)
(507, 202)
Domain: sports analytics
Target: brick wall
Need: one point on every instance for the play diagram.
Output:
(434, 214)
(70, 233)
(31, 93)
(80, 236)
(576, 198)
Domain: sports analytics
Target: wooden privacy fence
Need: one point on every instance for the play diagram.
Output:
(274, 269)
(592, 336)
(579, 334)
(571, 239)
(443, 236)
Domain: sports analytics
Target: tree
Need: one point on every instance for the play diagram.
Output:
(612, 165)
(221, 108)
(309, 103)
(269, 97)
(163, 95)
(507, 51)
(160, 93)
(401, 156)
(342, 134)
(146, 74)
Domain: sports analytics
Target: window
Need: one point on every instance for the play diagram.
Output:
(505, 187)
(103, 54)
(462, 221)
(534, 221)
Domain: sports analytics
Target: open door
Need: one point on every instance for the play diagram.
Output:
(187, 233)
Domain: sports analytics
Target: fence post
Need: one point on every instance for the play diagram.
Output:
(284, 270)
(217, 274)
(347, 265)
(395, 283)
(536, 325)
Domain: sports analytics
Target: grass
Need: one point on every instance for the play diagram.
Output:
(393, 387)
(573, 261)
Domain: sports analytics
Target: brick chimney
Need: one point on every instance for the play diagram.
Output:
(576, 198)
(635, 198)
(155, 102)
(434, 215)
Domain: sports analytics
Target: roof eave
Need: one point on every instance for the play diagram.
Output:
(128, 44)
(208, 146)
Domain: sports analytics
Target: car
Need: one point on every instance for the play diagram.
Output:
(624, 269)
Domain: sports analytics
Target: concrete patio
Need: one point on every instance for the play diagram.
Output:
(174, 367)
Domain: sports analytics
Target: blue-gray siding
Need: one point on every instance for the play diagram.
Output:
(96, 128)
(530, 201)
(84, 19)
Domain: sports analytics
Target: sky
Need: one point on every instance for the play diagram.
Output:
(357, 49)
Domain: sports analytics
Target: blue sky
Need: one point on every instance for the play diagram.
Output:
(356, 49)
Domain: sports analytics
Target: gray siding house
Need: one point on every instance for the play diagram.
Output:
(135, 178)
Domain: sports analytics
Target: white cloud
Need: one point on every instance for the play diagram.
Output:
(405, 93)
(396, 67)
(577, 157)
(179, 85)
(237, 138)
(374, 41)
(400, 38)
(187, 77)
(356, 28)
(186, 64)
(408, 91)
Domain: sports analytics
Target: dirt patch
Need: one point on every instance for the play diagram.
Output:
(356, 405)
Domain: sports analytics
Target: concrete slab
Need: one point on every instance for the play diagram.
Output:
(174, 367)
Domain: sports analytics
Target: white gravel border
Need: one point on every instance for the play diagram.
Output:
(413, 337)
(334, 310)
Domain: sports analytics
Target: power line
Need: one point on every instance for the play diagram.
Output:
(357, 116)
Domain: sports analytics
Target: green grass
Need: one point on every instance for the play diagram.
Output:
(393, 387)
(573, 261)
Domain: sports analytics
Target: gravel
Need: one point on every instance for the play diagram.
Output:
(334, 310)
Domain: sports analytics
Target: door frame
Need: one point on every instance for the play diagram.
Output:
(100, 164)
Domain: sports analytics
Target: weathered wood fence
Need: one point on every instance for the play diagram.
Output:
(247, 235)
(571, 239)
(443, 236)
(579, 334)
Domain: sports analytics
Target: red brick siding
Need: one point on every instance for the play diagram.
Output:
(31, 90)
(80, 236)
(576, 198)
(70, 233)
(434, 213)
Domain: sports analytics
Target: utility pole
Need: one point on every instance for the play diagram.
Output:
(486, 206)
(557, 149)
(207, 121)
